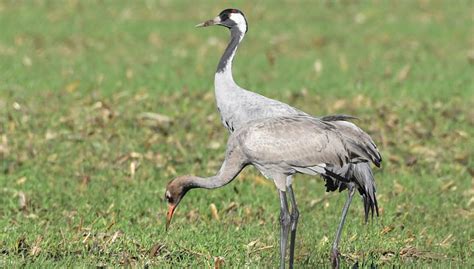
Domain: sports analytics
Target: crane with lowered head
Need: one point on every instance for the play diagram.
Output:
(280, 147)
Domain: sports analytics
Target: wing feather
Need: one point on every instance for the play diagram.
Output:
(299, 141)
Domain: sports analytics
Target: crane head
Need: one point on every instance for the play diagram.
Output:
(231, 18)
(175, 191)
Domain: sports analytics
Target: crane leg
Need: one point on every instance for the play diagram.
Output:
(335, 245)
(284, 227)
(294, 222)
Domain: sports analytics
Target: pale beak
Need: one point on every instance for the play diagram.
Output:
(169, 215)
(215, 21)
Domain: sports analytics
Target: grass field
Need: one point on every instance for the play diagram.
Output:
(84, 167)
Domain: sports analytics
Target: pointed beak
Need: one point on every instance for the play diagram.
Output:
(215, 21)
(169, 215)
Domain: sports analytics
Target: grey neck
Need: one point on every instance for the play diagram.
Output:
(225, 64)
(209, 182)
(230, 168)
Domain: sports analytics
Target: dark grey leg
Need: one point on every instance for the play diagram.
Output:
(294, 222)
(335, 251)
(284, 227)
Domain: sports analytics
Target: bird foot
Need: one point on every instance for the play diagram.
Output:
(335, 258)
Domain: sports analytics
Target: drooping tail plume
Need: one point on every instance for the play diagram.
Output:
(362, 176)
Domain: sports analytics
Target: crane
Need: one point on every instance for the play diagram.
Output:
(237, 106)
(280, 147)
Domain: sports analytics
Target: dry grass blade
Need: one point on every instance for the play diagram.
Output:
(387, 229)
(21, 181)
(22, 201)
(403, 73)
(155, 119)
(252, 243)
(449, 186)
(218, 262)
(133, 168)
(114, 237)
(447, 242)
(85, 180)
(4, 146)
(155, 250)
(261, 248)
(231, 207)
(214, 213)
(36, 249)
(387, 256)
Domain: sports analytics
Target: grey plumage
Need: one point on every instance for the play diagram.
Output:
(274, 146)
(303, 144)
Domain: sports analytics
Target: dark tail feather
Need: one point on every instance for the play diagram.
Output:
(361, 174)
(364, 178)
(366, 207)
(337, 176)
(376, 208)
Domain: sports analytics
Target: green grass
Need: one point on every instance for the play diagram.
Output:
(76, 76)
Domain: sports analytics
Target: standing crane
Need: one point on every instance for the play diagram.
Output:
(238, 106)
(280, 147)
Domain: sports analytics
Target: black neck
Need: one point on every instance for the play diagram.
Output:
(235, 37)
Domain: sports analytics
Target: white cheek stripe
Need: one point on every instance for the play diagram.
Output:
(240, 21)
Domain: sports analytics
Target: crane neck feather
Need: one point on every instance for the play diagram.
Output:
(225, 63)
(212, 182)
(230, 168)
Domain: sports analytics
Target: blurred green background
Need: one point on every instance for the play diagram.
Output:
(103, 102)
